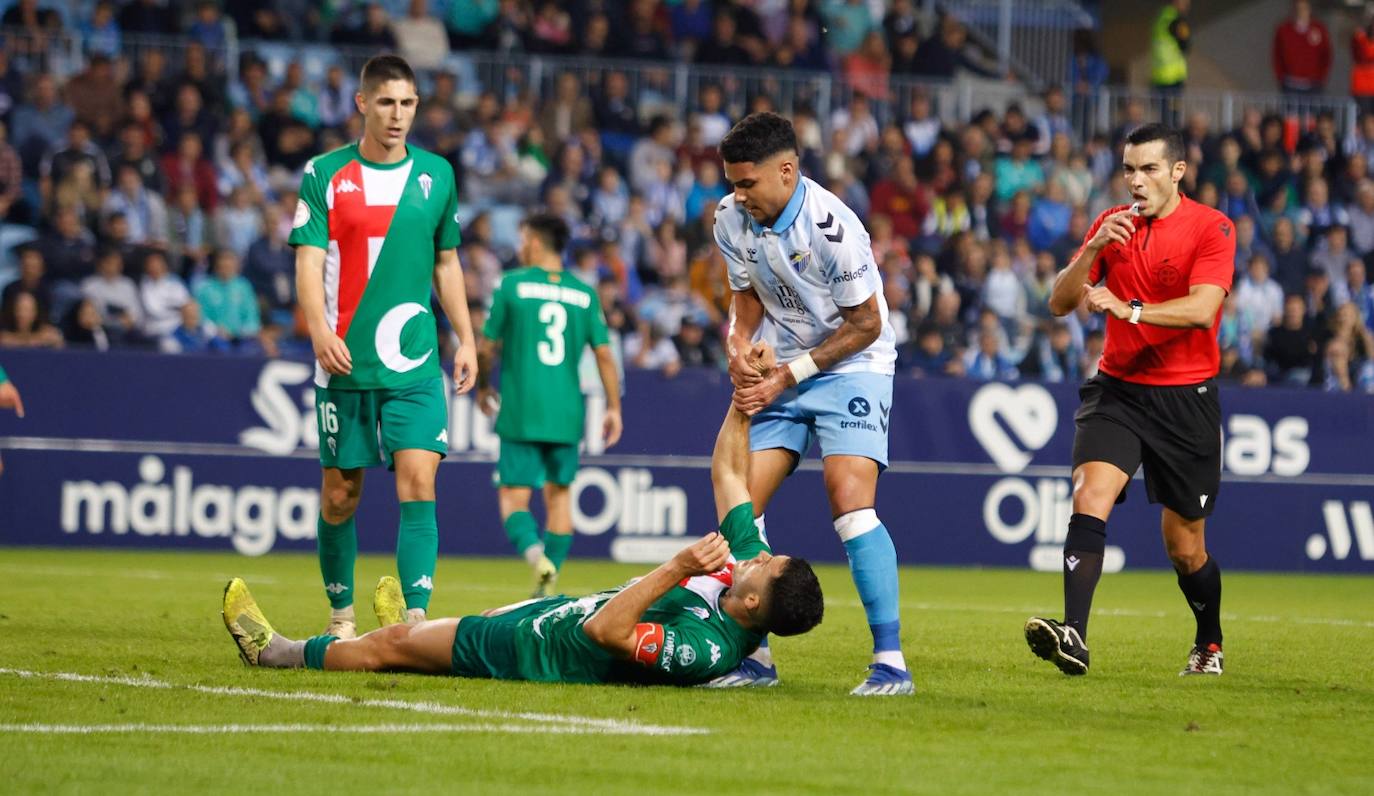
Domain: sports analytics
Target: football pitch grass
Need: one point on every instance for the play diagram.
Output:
(116, 675)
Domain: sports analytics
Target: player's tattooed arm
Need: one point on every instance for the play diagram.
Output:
(453, 297)
(613, 627)
(330, 349)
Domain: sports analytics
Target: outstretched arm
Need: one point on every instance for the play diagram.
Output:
(616, 627)
(453, 296)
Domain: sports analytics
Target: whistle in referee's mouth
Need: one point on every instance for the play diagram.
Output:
(1135, 208)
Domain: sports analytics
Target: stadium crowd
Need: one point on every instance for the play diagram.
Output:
(159, 191)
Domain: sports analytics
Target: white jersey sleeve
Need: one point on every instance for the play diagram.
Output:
(845, 253)
(727, 229)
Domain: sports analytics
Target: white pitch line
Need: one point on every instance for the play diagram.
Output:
(1031, 610)
(614, 726)
(346, 729)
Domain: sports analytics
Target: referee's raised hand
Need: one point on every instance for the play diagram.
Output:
(1116, 228)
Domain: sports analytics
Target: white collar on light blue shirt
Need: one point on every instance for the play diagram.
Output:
(789, 214)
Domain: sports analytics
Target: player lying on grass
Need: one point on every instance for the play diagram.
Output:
(690, 620)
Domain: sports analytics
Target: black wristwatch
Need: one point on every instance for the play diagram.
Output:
(1136, 306)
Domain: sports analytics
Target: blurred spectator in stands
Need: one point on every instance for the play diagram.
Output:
(691, 23)
(336, 97)
(551, 31)
(662, 199)
(147, 16)
(96, 97)
(1018, 171)
(23, 326)
(270, 267)
(902, 199)
(100, 34)
(642, 37)
(615, 115)
(1055, 359)
(1003, 293)
(251, 92)
(245, 171)
(668, 305)
(897, 297)
(1321, 304)
(1053, 121)
(1317, 213)
(945, 316)
(471, 23)
(83, 327)
(867, 69)
(945, 52)
(208, 29)
(305, 101)
(1049, 217)
(187, 165)
(68, 248)
(801, 47)
(1340, 370)
(922, 127)
(1259, 299)
(1348, 328)
(1015, 222)
(1331, 253)
(1301, 52)
(77, 153)
(1290, 260)
(1354, 288)
(374, 32)
(987, 359)
(420, 38)
(711, 115)
(1345, 183)
(115, 296)
(1362, 57)
(1249, 244)
(1170, 38)
(567, 111)
(194, 335)
(278, 20)
(983, 221)
(140, 116)
(163, 294)
(848, 22)
(594, 43)
(610, 199)
(133, 152)
(929, 357)
(707, 190)
(654, 149)
(152, 80)
(189, 116)
(650, 347)
(237, 224)
(1087, 75)
(1237, 200)
(145, 210)
(32, 280)
(695, 348)
(36, 124)
(227, 301)
(861, 131)
(188, 232)
(723, 48)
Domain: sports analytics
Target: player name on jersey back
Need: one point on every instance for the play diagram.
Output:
(547, 292)
(814, 260)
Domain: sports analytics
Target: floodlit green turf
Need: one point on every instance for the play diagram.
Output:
(1293, 713)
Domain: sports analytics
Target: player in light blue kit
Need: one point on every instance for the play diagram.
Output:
(804, 280)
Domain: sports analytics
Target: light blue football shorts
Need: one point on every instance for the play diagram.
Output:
(848, 412)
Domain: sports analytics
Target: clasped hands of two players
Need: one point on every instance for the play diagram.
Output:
(334, 356)
(1116, 228)
(757, 378)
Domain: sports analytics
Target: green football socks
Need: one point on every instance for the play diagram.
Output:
(417, 550)
(522, 531)
(338, 548)
(556, 547)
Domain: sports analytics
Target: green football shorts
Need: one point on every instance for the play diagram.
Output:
(365, 428)
(532, 463)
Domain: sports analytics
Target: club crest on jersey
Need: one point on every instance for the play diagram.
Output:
(426, 182)
(798, 260)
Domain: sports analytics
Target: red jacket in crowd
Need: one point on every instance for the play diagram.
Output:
(1302, 55)
(1362, 66)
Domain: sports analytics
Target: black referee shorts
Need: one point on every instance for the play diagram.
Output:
(1174, 431)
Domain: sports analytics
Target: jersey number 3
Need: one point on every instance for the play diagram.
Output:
(555, 320)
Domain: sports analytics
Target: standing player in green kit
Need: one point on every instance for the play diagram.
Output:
(375, 227)
(541, 319)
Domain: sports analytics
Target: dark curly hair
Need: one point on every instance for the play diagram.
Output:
(796, 603)
(758, 137)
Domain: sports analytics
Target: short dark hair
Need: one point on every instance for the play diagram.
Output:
(1174, 149)
(796, 603)
(382, 68)
(553, 231)
(758, 137)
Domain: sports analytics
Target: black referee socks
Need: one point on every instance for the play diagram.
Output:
(1083, 549)
(1203, 590)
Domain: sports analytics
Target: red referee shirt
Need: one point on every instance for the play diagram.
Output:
(1194, 245)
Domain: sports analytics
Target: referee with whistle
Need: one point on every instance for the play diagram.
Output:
(1159, 269)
